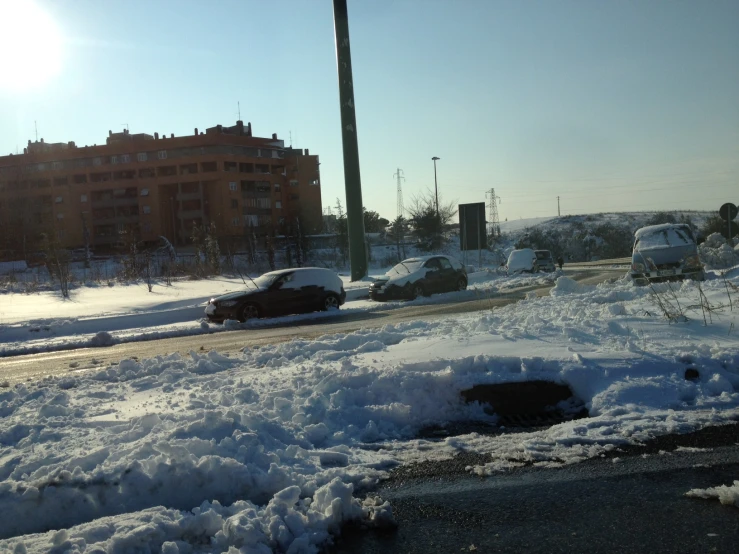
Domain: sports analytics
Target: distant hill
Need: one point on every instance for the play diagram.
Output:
(590, 236)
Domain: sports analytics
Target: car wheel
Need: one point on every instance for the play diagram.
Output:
(416, 291)
(462, 284)
(250, 311)
(330, 302)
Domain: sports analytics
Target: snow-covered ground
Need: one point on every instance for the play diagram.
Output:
(269, 450)
(104, 315)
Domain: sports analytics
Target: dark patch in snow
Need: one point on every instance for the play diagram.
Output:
(526, 398)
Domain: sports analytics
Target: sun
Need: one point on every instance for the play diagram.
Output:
(30, 46)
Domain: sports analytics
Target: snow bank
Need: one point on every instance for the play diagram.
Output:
(726, 494)
(716, 253)
(269, 449)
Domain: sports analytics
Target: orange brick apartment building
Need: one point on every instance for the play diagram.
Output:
(157, 186)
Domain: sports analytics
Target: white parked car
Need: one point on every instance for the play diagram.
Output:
(522, 261)
(665, 253)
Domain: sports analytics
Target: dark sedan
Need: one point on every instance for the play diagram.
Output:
(420, 277)
(283, 292)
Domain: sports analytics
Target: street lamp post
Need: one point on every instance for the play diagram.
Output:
(352, 180)
(436, 186)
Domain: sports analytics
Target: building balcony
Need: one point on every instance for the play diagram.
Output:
(109, 202)
(183, 196)
(189, 214)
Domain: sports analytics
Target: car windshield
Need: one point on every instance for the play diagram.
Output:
(264, 281)
(664, 238)
(406, 266)
(543, 255)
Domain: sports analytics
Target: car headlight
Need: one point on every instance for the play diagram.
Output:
(692, 261)
(637, 267)
(228, 303)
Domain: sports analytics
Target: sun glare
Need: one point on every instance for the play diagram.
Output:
(30, 46)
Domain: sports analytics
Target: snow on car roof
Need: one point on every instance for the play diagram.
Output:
(426, 258)
(295, 269)
(657, 228)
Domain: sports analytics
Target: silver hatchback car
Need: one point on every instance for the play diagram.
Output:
(665, 253)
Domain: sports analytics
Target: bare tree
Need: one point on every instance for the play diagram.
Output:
(171, 262)
(428, 224)
(270, 251)
(342, 231)
(57, 261)
(212, 250)
(397, 230)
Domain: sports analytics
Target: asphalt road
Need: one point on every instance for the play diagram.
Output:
(635, 504)
(36, 366)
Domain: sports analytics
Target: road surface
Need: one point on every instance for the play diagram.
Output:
(627, 502)
(36, 366)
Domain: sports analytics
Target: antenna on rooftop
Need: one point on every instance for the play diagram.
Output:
(36, 127)
(291, 139)
(238, 108)
(126, 124)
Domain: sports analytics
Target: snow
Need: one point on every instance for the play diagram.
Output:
(270, 449)
(516, 225)
(717, 253)
(131, 313)
(726, 494)
(321, 277)
(521, 260)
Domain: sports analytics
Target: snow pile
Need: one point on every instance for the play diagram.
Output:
(717, 253)
(727, 495)
(269, 449)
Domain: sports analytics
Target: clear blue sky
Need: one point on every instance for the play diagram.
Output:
(621, 105)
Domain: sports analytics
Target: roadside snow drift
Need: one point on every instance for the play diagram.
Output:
(271, 449)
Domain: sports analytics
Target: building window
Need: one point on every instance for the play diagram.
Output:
(97, 161)
(293, 182)
(235, 222)
(162, 154)
(83, 198)
(146, 209)
(146, 227)
(235, 204)
(60, 216)
(40, 167)
(278, 205)
(294, 196)
(114, 159)
(314, 182)
(232, 186)
(263, 203)
(59, 200)
(56, 165)
(278, 188)
(125, 158)
(60, 234)
(141, 156)
(144, 192)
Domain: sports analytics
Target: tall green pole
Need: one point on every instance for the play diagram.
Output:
(352, 179)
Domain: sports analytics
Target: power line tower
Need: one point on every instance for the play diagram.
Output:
(399, 176)
(493, 220)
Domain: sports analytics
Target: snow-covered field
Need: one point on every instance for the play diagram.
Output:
(103, 315)
(270, 449)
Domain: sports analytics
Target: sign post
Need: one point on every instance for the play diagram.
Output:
(472, 228)
(728, 212)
